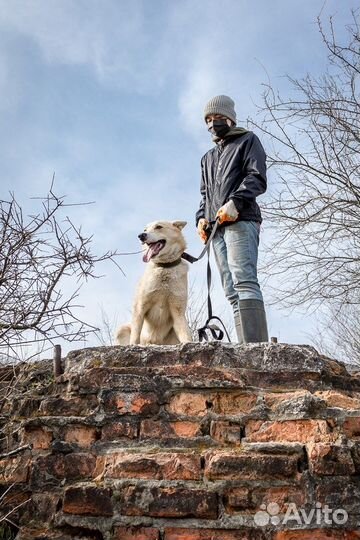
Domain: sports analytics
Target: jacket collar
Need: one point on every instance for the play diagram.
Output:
(234, 132)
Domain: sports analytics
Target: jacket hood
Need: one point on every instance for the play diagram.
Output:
(234, 132)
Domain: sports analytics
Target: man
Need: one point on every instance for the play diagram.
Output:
(233, 174)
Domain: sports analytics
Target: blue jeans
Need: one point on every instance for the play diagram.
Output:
(236, 253)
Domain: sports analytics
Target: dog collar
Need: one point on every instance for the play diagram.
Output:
(169, 264)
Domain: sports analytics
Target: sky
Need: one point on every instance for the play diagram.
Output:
(109, 96)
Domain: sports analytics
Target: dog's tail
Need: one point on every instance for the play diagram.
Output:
(123, 335)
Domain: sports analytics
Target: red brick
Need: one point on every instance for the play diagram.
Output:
(160, 465)
(39, 438)
(339, 492)
(162, 429)
(229, 465)
(289, 431)
(317, 534)
(250, 499)
(330, 460)
(131, 403)
(342, 400)
(234, 403)
(90, 501)
(43, 506)
(274, 399)
(351, 427)
(136, 533)
(280, 495)
(81, 435)
(168, 502)
(73, 406)
(31, 533)
(14, 469)
(237, 498)
(118, 430)
(47, 470)
(191, 403)
(225, 431)
(16, 501)
(213, 534)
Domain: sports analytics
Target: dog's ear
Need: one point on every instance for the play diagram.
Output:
(179, 224)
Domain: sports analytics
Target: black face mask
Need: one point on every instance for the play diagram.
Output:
(219, 128)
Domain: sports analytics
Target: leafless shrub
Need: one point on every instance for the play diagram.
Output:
(39, 254)
(314, 150)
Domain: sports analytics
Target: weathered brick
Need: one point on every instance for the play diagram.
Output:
(274, 399)
(342, 400)
(355, 452)
(80, 435)
(14, 469)
(317, 534)
(16, 501)
(330, 460)
(120, 429)
(39, 438)
(131, 403)
(43, 533)
(191, 403)
(288, 430)
(237, 498)
(351, 427)
(43, 506)
(162, 429)
(73, 406)
(47, 470)
(225, 431)
(242, 466)
(88, 500)
(168, 502)
(98, 378)
(234, 402)
(136, 533)
(160, 465)
(214, 534)
(339, 492)
(295, 405)
(245, 499)
(26, 407)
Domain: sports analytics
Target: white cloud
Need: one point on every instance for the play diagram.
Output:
(106, 36)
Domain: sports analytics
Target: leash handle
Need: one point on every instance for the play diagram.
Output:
(215, 331)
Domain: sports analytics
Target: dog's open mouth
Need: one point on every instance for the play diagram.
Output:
(153, 249)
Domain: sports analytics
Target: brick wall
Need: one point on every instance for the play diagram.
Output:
(191, 442)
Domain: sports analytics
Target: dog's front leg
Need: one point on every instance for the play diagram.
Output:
(137, 324)
(180, 324)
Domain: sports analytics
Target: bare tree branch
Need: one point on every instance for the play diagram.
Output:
(37, 254)
(314, 150)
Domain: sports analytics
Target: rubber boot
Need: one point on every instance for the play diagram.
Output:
(250, 323)
(238, 328)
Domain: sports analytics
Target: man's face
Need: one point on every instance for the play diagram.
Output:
(212, 117)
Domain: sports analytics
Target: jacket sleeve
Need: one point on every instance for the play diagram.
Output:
(201, 212)
(254, 182)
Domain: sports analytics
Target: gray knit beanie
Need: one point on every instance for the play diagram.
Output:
(223, 105)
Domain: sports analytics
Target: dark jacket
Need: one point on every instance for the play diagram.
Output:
(234, 169)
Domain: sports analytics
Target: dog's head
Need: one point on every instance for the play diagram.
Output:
(164, 239)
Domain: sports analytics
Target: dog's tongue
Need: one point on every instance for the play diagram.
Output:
(152, 251)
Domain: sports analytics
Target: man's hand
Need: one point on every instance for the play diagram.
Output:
(227, 212)
(202, 224)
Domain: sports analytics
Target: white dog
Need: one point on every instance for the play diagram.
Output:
(158, 315)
